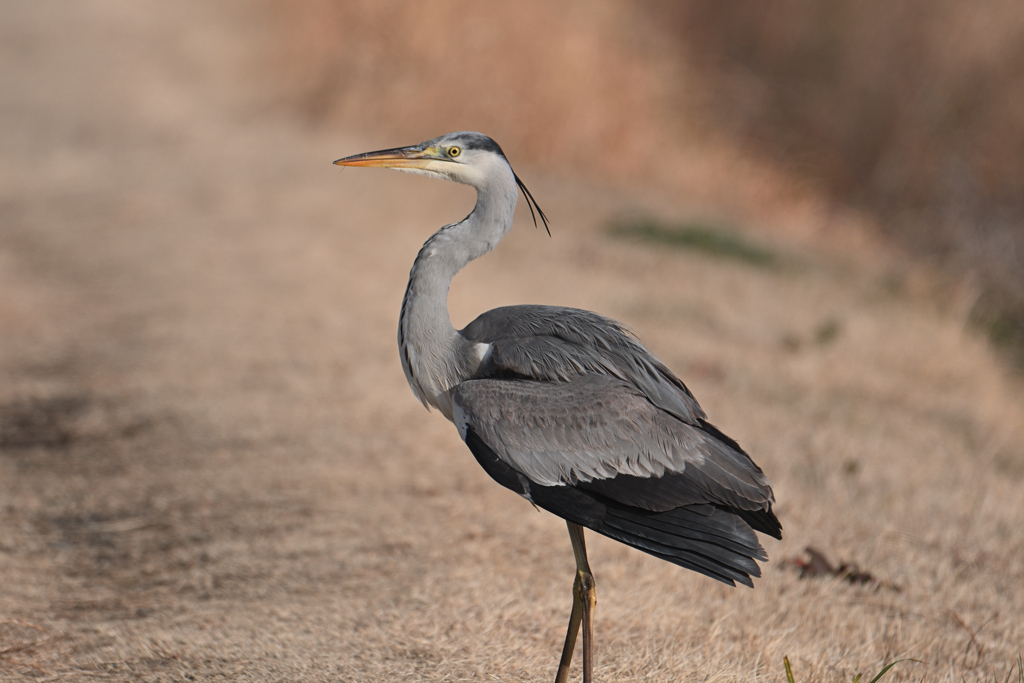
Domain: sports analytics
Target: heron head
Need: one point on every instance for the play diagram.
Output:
(465, 157)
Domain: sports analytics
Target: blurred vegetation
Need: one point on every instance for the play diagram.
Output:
(827, 332)
(702, 237)
(910, 112)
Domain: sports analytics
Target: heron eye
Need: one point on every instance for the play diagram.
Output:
(454, 152)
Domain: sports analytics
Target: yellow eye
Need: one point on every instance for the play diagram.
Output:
(454, 152)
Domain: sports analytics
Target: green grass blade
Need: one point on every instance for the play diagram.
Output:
(789, 671)
(883, 671)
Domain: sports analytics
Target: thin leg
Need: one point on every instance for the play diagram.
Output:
(587, 596)
(570, 635)
(584, 600)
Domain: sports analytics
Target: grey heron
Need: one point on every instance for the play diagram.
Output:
(566, 408)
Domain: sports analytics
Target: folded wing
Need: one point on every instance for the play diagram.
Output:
(596, 451)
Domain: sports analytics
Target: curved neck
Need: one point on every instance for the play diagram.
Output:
(432, 351)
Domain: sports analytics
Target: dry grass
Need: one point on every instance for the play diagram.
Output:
(912, 110)
(211, 467)
(910, 116)
(597, 90)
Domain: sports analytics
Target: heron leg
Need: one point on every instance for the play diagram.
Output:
(570, 635)
(584, 600)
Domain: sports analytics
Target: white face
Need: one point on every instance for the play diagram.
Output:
(465, 157)
(450, 160)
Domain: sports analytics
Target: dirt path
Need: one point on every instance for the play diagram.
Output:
(211, 467)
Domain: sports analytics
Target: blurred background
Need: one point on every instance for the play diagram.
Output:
(908, 115)
(211, 465)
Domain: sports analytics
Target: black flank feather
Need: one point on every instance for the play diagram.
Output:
(713, 540)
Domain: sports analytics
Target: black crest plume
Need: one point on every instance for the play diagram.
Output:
(532, 203)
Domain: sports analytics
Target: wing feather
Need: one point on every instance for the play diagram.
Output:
(709, 539)
(558, 344)
(569, 410)
(600, 433)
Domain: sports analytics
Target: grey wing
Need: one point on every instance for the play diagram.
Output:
(596, 452)
(560, 344)
(601, 434)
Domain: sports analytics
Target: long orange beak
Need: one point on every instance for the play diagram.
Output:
(400, 157)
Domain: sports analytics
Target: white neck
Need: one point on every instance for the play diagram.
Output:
(434, 356)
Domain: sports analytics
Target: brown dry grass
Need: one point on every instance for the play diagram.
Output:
(909, 114)
(913, 110)
(594, 89)
(211, 467)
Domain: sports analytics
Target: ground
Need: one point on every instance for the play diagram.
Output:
(211, 466)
